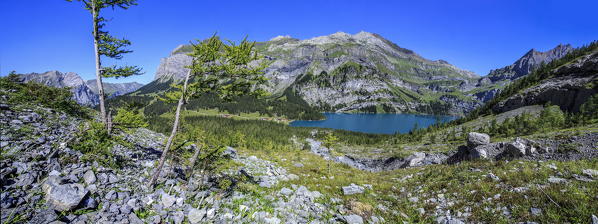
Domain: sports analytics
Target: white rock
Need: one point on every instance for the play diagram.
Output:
(195, 215)
(89, 177)
(168, 200)
(590, 172)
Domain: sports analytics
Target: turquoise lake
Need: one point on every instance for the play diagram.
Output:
(374, 123)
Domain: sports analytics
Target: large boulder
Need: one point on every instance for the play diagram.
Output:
(488, 151)
(63, 197)
(516, 148)
(414, 159)
(475, 139)
(478, 152)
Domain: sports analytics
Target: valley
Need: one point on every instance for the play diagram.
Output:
(339, 128)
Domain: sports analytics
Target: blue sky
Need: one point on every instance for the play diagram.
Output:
(477, 35)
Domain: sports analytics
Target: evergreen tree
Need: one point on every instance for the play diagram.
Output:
(328, 141)
(220, 69)
(108, 46)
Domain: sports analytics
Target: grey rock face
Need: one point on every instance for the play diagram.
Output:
(530, 61)
(516, 149)
(114, 89)
(64, 197)
(173, 66)
(475, 139)
(344, 72)
(479, 152)
(568, 89)
(81, 92)
(84, 93)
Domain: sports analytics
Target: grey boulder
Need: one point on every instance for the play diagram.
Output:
(89, 177)
(414, 159)
(196, 215)
(475, 139)
(63, 197)
(516, 148)
(352, 189)
(353, 219)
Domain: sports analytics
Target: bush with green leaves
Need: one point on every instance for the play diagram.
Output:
(94, 141)
(589, 110)
(127, 118)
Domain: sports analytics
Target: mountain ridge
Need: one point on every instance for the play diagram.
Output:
(398, 80)
(84, 92)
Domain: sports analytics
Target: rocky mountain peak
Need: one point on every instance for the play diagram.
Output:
(280, 37)
(55, 78)
(528, 62)
(84, 93)
(368, 67)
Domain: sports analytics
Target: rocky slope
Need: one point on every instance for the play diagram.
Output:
(84, 93)
(569, 87)
(343, 72)
(528, 62)
(490, 85)
(45, 181)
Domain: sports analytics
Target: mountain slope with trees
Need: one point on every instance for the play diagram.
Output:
(361, 72)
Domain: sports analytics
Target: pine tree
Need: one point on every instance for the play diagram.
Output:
(220, 69)
(108, 46)
(328, 141)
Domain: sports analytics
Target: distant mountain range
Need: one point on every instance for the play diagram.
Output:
(85, 93)
(341, 72)
(490, 85)
(530, 61)
(366, 72)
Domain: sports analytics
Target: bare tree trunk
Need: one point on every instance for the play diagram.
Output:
(96, 38)
(193, 159)
(172, 134)
(109, 122)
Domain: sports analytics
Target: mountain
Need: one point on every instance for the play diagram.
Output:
(114, 89)
(530, 61)
(361, 72)
(81, 92)
(84, 93)
(490, 85)
(567, 82)
(568, 86)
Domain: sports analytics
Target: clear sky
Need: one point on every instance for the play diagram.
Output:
(477, 35)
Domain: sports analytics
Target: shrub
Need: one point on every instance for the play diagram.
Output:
(129, 118)
(94, 141)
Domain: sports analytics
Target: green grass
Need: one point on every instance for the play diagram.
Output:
(466, 188)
